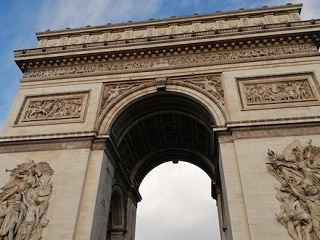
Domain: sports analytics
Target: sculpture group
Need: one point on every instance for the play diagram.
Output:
(53, 108)
(278, 92)
(24, 201)
(298, 171)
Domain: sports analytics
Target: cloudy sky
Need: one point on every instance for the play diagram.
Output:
(183, 194)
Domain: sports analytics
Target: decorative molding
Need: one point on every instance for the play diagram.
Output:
(53, 108)
(25, 201)
(277, 131)
(47, 142)
(170, 62)
(225, 138)
(298, 191)
(278, 91)
(44, 145)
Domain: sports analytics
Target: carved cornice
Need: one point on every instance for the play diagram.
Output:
(188, 57)
(27, 58)
(65, 135)
(289, 12)
(173, 29)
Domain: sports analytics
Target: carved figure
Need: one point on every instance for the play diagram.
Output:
(24, 201)
(53, 108)
(112, 92)
(299, 193)
(278, 92)
(183, 60)
(212, 84)
(14, 216)
(3, 209)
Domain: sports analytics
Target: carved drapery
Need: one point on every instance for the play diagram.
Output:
(52, 108)
(165, 62)
(272, 91)
(24, 201)
(297, 170)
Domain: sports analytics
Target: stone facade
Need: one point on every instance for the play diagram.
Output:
(102, 106)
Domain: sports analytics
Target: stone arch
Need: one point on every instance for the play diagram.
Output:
(212, 102)
(116, 222)
(148, 127)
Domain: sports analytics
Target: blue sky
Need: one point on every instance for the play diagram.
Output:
(20, 19)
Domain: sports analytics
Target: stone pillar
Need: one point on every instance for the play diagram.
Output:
(236, 218)
(96, 198)
(131, 219)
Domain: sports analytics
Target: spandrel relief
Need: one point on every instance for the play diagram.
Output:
(53, 108)
(210, 83)
(298, 171)
(24, 201)
(111, 92)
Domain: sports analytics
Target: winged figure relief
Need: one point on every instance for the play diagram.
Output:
(24, 201)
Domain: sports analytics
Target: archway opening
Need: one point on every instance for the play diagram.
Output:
(155, 129)
(177, 204)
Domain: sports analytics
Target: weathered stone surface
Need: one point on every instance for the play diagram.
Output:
(107, 104)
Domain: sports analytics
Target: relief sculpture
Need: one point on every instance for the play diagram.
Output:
(64, 107)
(24, 201)
(212, 84)
(274, 92)
(53, 108)
(111, 92)
(298, 171)
(218, 57)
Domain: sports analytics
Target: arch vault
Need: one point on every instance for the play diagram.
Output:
(100, 107)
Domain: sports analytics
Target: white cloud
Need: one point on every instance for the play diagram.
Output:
(310, 8)
(78, 13)
(177, 204)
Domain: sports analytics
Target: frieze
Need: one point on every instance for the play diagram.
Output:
(298, 191)
(53, 108)
(278, 91)
(168, 62)
(294, 129)
(24, 201)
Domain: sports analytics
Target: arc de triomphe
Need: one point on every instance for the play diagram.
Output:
(99, 107)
